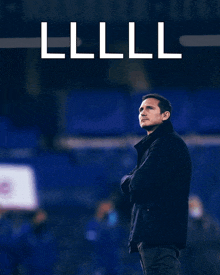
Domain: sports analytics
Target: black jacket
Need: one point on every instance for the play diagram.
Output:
(159, 188)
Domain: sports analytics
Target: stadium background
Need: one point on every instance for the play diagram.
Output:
(75, 121)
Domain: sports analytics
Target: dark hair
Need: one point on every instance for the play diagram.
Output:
(163, 104)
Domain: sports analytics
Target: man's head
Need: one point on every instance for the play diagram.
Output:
(196, 209)
(154, 110)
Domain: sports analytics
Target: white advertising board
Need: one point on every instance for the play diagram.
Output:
(17, 187)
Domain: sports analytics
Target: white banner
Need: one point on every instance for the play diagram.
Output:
(17, 187)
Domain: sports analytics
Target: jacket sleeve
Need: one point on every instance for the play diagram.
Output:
(125, 181)
(155, 171)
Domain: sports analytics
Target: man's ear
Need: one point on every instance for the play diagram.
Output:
(166, 115)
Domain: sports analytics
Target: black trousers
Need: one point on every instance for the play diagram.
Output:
(159, 260)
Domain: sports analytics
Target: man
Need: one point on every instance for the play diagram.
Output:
(202, 255)
(103, 235)
(158, 188)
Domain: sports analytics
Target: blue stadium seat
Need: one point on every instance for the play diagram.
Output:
(205, 173)
(18, 138)
(57, 171)
(4, 125)
(206, 111)
(14, 137)
(96, 113)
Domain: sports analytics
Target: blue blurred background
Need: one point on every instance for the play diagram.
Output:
(75, 121)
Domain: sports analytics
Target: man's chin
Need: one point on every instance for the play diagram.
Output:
(149, 128)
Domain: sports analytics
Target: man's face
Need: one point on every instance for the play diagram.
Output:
(150, 116)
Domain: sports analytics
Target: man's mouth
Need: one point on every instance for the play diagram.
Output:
(144, 119)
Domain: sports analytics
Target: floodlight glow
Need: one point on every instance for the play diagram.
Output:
(200, 40)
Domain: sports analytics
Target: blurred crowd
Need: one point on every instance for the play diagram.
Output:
(105, 237)
(26, 244)
(202, 254)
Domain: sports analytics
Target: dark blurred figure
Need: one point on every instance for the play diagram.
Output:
(202, 254)
(18, 245)
(41, 246)
(6, 266)
(103, 235)
(13, 232)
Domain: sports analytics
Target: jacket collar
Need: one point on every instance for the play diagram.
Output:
(165, 128)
